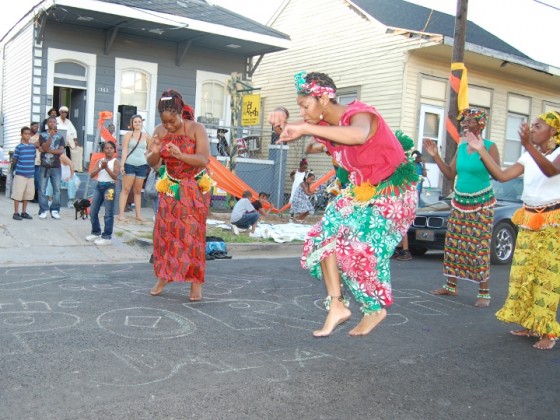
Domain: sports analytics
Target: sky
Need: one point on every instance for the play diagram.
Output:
(528, 25)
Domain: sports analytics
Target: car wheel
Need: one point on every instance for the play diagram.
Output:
(417, 252)
(503, 243)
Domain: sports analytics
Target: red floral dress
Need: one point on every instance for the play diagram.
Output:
(180, 228)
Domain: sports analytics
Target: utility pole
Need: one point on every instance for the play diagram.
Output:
(459, 38)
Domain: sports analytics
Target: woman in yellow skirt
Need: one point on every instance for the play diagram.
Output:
(534, 289)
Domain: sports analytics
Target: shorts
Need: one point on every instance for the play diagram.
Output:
(23, 188)
(136, 171)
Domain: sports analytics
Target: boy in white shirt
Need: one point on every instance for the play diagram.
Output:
(244, 214)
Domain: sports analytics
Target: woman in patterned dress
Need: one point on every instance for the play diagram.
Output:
(469, 231)
(362, 226)
(534, 286)
(180, 228)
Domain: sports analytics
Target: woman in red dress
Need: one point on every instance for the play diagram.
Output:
(180, 230)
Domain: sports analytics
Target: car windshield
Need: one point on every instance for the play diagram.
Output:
(508, 191)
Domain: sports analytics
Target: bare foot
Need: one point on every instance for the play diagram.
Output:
(523, 333)
(335, 317)
(482, 303)
(368, 323)
(443, 291)
(545, 343)
(196, 292)
(158, 288)
(120, 218)
(140, 219)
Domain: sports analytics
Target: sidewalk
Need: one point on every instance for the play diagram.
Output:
(50, 241)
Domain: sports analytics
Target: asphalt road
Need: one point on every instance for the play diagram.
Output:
(89, 342)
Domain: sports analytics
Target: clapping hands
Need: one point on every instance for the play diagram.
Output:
(430, 147)
(474, 141)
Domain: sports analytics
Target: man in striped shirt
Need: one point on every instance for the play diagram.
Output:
(23, 187)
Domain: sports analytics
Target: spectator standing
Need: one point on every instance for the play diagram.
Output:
(74, 150)
(23, 187)
(301, 202)
(51, 113)
(35, 140)
(297, 175)
(107, 172)
(134, 167)
(51, 145)
(69, 180)
(421, 170)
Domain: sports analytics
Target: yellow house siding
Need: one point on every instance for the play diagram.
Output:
(328, 36)
(499, 86)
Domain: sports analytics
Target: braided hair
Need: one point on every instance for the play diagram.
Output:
(171, 101)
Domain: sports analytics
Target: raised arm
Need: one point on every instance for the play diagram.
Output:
(547, 167)
(502, 175)
(449, 171)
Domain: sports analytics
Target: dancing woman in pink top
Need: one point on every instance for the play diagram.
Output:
(360, 230)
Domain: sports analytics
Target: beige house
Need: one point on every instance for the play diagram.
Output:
(396, 56)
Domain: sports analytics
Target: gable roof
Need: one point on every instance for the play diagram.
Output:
(185, 22)
(202, 11)
(405, 15)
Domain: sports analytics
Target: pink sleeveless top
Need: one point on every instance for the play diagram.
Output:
(373, 161)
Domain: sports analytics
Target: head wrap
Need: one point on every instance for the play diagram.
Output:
(552, 118)
(478, 114)
(312, 89)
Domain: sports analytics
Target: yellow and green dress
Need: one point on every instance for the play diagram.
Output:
(534, 285)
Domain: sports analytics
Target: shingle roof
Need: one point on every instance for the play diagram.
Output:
(401, 14)
(202, 11)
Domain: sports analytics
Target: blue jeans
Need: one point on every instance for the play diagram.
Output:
(104, 194)
(54, 175)
(248, 220)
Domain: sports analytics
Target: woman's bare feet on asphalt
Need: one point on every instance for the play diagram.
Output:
(443, 291)
(158, 288)
(482, 303)
(196, 292)
(368, 323)
(545, 343)
(335, 317)
(523, 333)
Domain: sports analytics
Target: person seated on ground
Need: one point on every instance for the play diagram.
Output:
(301, 203)
(259, 204)
(244, 215)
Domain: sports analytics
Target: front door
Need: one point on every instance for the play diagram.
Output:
(432, 127)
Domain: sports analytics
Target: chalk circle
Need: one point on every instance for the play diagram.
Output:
(20, 321)
(239, 305)
(145, 323)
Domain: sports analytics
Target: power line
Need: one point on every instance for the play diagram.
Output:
(546, 4)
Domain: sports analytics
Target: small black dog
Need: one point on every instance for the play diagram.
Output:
(82, 207)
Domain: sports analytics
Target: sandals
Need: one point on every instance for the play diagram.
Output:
(218, 255)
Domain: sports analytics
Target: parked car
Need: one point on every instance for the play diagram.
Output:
(430, 225)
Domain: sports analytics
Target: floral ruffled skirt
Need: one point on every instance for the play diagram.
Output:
(363, 235)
